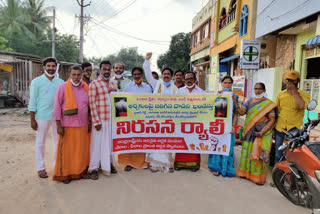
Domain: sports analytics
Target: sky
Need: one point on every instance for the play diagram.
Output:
(115, 24)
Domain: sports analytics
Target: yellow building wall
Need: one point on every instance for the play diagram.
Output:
(251, 22)
(302, 38)
(227, 37)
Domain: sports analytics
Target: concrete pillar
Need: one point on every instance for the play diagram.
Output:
(318, 26)
(215, 42)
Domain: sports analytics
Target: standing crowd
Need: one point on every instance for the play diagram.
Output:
(78, 113)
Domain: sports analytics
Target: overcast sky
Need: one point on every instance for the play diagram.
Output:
(106, 33)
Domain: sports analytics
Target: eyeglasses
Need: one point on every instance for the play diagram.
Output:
(258, 88)
(118, 84)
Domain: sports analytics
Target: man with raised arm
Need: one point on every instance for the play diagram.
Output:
(160, 161)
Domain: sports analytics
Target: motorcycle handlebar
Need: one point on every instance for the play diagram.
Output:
(306, 131)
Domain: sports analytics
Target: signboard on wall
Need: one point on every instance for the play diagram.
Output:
(250, 54)
(238, 86)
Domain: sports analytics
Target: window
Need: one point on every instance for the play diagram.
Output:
(223, 19)
(232, 10)
(197, 37)
(205, 31)
(243, 28)
(215, 8)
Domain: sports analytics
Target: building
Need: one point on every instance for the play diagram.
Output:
(18, 70)
(200, 44)
(232, 21)
(295, 27)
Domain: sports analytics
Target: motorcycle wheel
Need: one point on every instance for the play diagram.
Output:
(296, 191)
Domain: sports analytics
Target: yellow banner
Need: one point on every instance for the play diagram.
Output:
(194, 123)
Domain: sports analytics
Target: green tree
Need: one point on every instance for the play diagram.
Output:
(177, 57)
(13, 20)
(3, 44)
(129, 56)
(67, 48)
(37, 20)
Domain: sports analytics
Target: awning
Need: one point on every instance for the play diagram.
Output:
(203, 63)
(313, 40)
(229, 58)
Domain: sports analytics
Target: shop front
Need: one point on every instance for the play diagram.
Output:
(310, 69)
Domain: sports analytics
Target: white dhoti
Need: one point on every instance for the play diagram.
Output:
(41, 135)
(160, 161)
(100, 148)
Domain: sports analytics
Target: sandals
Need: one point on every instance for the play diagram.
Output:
(171, 170)
(113, 170)
(86, 176)
(42, 174)
(154, 170)
(94, 175)
(215, 173)
(177, 168)
(260, 184)
(128, 168)
(194, 169)
(66, 181)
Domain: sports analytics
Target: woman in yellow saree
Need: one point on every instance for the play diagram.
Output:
(260, 118)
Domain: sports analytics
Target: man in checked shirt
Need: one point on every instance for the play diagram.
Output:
(101, 142)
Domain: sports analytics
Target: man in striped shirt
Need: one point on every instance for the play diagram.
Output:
(101, 141)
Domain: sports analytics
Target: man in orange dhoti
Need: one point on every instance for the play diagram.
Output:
(135, 160)
(71, 112)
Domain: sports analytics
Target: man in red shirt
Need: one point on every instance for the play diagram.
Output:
(101, 141)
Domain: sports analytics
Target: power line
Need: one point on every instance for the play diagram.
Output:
(289, 10)
(157, 42)
(134, 1)
(151, 12)
(82, 5)
(264, 9)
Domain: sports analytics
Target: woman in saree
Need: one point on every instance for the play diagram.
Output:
(222, 164)
(260, 119)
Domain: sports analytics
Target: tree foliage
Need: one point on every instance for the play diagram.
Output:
(26, 27)
(129, 56)
(177, 57)
(3, 44)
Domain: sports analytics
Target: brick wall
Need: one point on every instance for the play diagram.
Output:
(286, 52)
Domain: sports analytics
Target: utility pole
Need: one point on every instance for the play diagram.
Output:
(81, 28)
(54, 33)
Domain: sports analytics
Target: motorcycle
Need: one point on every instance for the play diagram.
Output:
(297, 175)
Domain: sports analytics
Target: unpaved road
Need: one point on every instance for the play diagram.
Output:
(138, 191)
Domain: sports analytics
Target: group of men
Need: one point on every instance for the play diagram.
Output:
(78, 113)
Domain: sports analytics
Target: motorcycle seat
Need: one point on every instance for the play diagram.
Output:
(314, 147)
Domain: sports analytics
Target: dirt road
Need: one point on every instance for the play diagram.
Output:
(138, 191)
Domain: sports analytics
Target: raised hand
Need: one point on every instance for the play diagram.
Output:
(148, 55)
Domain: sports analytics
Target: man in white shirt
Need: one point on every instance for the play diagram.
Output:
(135, 160)
(160, 161)
(187, 160)
(119, 80)
(163, 86)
